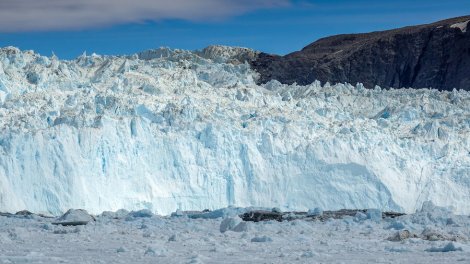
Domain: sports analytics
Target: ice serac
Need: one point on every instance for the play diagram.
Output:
(172, 129)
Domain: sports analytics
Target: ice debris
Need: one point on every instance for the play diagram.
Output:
(229, 223)
(315, 212)
(234, 224)
(449, 247)
(74, 217)
(261, 239)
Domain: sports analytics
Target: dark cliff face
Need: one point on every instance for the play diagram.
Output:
(434, 55)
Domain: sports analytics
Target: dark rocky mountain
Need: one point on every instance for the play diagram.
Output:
(434, 55)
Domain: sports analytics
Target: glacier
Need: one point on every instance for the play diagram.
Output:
(170, 129)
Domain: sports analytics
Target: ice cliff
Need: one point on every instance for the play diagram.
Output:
(172, 129)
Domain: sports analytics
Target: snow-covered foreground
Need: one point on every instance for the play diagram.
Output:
(433, 235)
(172, 129)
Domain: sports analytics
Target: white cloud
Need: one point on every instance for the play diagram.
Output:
(38, 15)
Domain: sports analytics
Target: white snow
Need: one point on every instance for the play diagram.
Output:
(462, 26)
(172, 129)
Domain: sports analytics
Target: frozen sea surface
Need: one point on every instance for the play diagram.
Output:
(434, 235)
(172, 129)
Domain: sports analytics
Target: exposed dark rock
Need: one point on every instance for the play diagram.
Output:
(24, 213)
(434, 55)
(391, 214)
(261, 215)
(6, 214)
(257, 216)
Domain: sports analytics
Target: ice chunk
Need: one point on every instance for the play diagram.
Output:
(74, 217)
(140, 214)
(315, 212)
(449, 247)
(178, 213)
(308, 254)
(121, 250)
(119, 214)
(431, 214)
(261, 239)
(360, 217)
(173, 238)
(397, 225)
(374, 215)
(229, 223)
(241, 227)
(219, 213)
(400, 236)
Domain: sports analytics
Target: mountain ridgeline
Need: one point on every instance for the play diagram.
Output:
(434, 55)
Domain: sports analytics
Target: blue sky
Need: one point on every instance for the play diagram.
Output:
(278, 26)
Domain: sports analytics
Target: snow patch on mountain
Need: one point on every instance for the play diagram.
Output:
(462, 26)
(173, 129)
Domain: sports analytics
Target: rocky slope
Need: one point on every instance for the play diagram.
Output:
(434, 55)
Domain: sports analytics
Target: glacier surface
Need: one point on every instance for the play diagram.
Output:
(171, 129)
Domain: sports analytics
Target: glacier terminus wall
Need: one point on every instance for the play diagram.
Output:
(172, 129)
